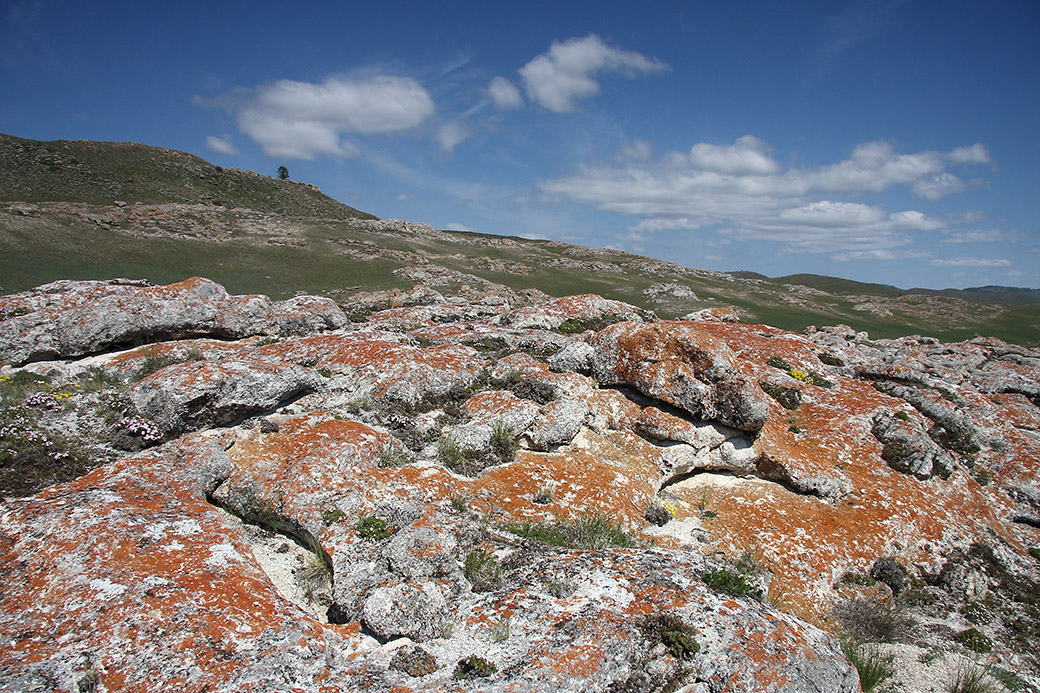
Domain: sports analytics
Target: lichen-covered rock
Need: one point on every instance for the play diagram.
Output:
(587, 311)
(68, 318)
(907, 448)
(200, 393)
(682, 365)
(307, 314)
(310, 548)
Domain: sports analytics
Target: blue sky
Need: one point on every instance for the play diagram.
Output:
(884, 141)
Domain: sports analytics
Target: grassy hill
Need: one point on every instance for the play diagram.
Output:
(103, 172)
(254, 234)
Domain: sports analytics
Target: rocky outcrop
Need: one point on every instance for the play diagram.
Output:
(456, 495)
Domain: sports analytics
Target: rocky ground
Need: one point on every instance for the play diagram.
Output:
(421, 492)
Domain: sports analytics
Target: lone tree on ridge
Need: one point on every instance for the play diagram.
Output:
(283, 173)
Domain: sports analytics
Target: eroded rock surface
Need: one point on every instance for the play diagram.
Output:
(365, 505)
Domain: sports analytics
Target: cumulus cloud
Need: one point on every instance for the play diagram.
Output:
(504, 94)
(564, 75)
(449, 135)
(303, 120)
(979, 236)
(970, 262)
(742, 191)
(747, 156)
(222, 145)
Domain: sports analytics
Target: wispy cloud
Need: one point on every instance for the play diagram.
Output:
(451, 134)
(744, 192)
(564, 75)
(970, 262)
(303, 120)
(222, 144)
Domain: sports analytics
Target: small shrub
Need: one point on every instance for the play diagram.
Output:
(975, 640)
(873, 667)
(870, 619)
(902, 416)
(314, 576)
(482, 569)
(559, 587)
(373, 528)
(324, 372)
(1035, 552)
(779, 362)
(474, 667)
(1009, 680)
(853, 577)
(981, 475)
(459, 503)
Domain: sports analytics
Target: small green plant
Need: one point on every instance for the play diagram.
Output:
(373, 528)
(325, 372)
(482, 569)
(779, 362)
(1034, 551)
(975, 640)
(558, 586)
(830, 359)
(503, 444)
(265, 341)
(788, 397)
(902, 416)
(459, 504)
(315, 576)
(659, 512)
(676, 636)
(734, 582)
(972, 678)
(453, 457)
(544, 495)
(981, 475)
(474, 667)
(855, 577)
(392, 457)
(593, 532)
(1009, 680)
(331, 517)
(873, 666)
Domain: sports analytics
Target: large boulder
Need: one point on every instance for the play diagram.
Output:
(683, 365)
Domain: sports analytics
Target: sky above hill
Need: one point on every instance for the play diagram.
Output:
(885, 141)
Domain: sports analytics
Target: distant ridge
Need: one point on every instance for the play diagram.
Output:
(102, 172)
(99, 210)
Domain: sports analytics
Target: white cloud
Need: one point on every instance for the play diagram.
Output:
(404, 197)
(745, 194)
(981, 236)
(302, 120)
(450, 135)
(504, 94)
(561, 77)
(222, 145)
(747, 156)
(970, 262)
(879, 254)
(975, 154)
(457, 227)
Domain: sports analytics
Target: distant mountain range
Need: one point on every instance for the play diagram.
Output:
(85, 209)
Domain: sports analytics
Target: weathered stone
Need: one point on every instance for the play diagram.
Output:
(907, 447)
(307, 314)
(410, 610)
(559, 422)
(67, 318)
(201, 393)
